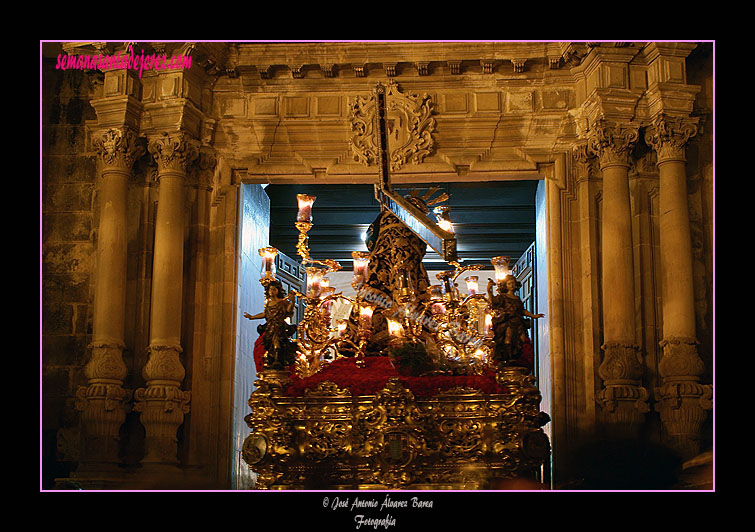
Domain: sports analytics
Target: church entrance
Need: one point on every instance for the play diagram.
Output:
(489, 219)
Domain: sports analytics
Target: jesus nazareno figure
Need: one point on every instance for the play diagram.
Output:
(510, 320)
(276, 333)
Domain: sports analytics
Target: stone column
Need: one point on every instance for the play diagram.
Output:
(683, 400)
(103, 401)
(623, 399)
(162, 403)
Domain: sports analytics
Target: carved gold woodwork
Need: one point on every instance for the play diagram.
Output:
(459, 438)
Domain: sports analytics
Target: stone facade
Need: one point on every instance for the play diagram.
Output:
(142, 174)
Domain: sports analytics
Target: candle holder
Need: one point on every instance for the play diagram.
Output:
(364, 330)
(314, 278)
(501, 265)
(396, 332)
(472, 285)
(268, 255)
(361, 260)
(305, 208)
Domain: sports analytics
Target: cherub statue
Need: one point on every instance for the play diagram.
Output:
(510, 320)
(276, 333)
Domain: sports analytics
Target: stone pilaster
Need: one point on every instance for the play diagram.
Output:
(162, 404)
(683, 401)
(623, 399)
(103, 402)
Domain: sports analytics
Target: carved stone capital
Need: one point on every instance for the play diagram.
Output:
(680, 359)
(106, 362)
(621, 363)
(164, 365)
(668, 136)
(623, 401)
(173, 151)
(118, 148)
(613, 143)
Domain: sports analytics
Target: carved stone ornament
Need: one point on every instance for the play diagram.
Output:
(682, 401)
(680, 358)
(668, 136)
(613, 143)
(118, 148)
(623, 400)
(173, 151)
(621, 362)
(106, 362)
(583, 160)
(410, 127)
(164, 364)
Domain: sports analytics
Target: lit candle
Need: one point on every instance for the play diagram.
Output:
(314, 277)
(501, 265)
(341, 324)
(480, 355)
(365, 315)
(395, 330)
(305, 207)
(472, 285)
(268, 255)
(488, 324)
(361, 258)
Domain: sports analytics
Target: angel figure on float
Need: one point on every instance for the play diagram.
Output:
(276, 332)
(510, 319)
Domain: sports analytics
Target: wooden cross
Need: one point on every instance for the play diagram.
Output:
(442, 241)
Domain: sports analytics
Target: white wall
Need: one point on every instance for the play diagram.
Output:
(254, 233)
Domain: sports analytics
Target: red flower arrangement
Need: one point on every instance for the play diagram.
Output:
(371, 378)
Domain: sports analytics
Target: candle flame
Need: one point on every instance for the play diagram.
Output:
(394, 328)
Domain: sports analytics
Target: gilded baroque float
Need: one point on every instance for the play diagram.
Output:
(423, 386)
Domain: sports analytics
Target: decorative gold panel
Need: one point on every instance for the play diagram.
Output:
(457, 439)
